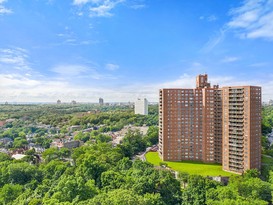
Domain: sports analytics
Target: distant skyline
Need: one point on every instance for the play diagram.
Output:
(121, 50)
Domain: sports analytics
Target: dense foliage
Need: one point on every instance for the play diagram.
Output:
(99, 173)
(46, 122)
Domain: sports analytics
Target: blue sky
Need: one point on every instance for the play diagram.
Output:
(124, 49)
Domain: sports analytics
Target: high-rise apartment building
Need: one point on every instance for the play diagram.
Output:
(241, 128)
(189, 125)
(101, 101)
(141, 106)
(193, 124)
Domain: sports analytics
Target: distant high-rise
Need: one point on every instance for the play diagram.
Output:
(211, 124)
(141, 106)
(59, 101)
(101, 101)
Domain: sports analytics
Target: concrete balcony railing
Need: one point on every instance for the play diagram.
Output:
(233, 120)
(235, 137)
(236, 92)
(236, 145)
(236, 149)
(237, 158)
(236, 108)
(232, 112)
(235, 141)
(236, 153)
(236, 124)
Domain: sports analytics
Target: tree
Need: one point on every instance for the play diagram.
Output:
(4, 157)
(82, 136)
(183, 178)
(10, 192)
(133, 143)
(248, 188)
(151, 138)
(22, 135)
(111, 180)
(72, 188)
(195, 193)
(251, 173)
(142, 178)
(125, 197)
(50, 154)
(21, 173)
(54, 169)
(19, 142)
(103, 138)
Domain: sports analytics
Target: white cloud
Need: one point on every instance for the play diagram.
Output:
(14, 58)
(3, 9)
(230, 59)
(70, 38)
(103, 8)
(261, 64)
(111, 66)
(83, 72)
(214, 41)
(17, 81)
(138, 6)
(23, 88)
(71, 70)
(254, 19)
(212, 18)
(79, 2)
(82, 2)
(98, 8)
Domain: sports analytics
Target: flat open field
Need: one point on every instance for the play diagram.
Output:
(190, 167)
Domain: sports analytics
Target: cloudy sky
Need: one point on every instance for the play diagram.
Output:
(124, 49)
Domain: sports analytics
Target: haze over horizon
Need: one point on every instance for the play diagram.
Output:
(124, 49)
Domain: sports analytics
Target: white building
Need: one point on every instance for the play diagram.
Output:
(141, 106)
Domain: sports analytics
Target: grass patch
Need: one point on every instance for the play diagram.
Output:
(189, 166)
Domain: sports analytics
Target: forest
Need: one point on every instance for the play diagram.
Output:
(99, 173)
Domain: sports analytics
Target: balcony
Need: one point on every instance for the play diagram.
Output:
(236, 168)
(236, 113)
(236, 153)
(231, 120)
(236, 158)
(235, 137)
(236, 92)
(235, 124)
(236, 102)
(236, 141)
(236, 144)
(236, 95)
(236, 108)
(236, 163)
(236, 149)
